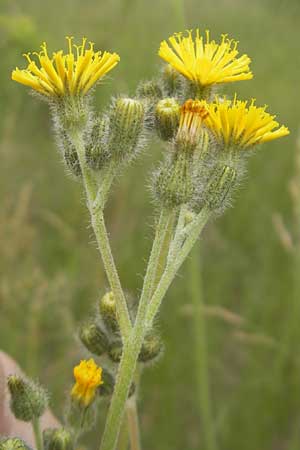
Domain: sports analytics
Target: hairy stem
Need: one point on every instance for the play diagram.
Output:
(133, 346)
(173, 266)
(99, 227)
(201, 355)
(37, 433)
(133, 424)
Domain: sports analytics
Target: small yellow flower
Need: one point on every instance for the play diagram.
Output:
(239, 124)
(73, 73)
(88, 377)
(192, 115)
(205, 63)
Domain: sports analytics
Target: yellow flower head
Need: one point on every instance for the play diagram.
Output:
(239, 124)
(73, 73)
(205, 63)
(88, 377)
(192, 115)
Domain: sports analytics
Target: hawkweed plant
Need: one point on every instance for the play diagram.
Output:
(208, 138)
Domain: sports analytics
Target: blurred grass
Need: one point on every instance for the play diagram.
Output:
(50, 269)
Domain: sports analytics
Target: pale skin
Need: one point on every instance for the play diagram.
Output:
(9, 425)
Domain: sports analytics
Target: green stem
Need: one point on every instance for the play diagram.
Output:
(133, 346)
(133, 424)
(173, 266)
(111, 272)
(37, 433)
(201, 355)
(98, 224)
(123, 440)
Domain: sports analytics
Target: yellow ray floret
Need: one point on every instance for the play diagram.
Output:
(73, 73)
(88, 377)
(205, 62)
(239, 124)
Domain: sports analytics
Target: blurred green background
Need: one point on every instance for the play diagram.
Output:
(51, 273)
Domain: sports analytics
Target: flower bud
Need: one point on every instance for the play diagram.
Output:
(93, 338)
(167, 114)
(115, 351)
(96, 150)
(13, 443)
(69, 153)
(108, 312)
(151, 348)
(57, 439)
(218, 189)
(174, 185)
(126, 128)
(108, 385)
(172, 81)
(28, 399)
(149, 90)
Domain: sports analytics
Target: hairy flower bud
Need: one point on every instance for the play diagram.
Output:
(13, 443)
(57, 439)
(69, 153)
(96, 150)
(126, 128)
(152, 347)
(107, 388)
(167, 114)
(218, 189)
(174, 185)
(149, 90)
(108, 312)
(172, 81)
(28, 399)
(93, 338)
(115, 351)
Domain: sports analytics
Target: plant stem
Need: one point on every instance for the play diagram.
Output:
(111, 272)
(123, 439)
(173, 266)
(201, 355)
(98, 224)
(37, 433)
(132, 347)
(133, 424)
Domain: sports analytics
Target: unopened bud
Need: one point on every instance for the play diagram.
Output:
(218, 189)
(167, 114)
(174, 184)
(57, 439)
(172, 81)
(108, 312)
(69, 153)
(151, 348)
(96, 150)
(28, 399)
(93, 338)
(107, 388)
(126, 128)
(149, 90)
(115, 351)
(9, 443)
